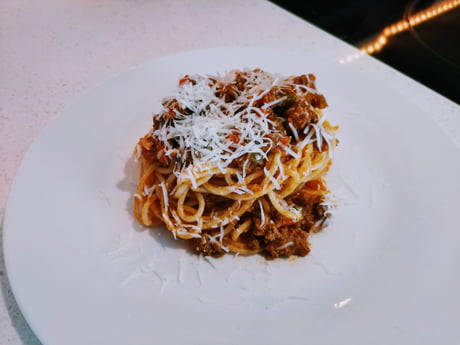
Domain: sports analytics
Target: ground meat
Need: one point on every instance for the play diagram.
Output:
(228, 91)
(300, 115)
(234, 136)
(205, 246)
(308, 81)
(250, 241)
(290, 240)
(312, 204)
(186, 79)
(277, 236)
(280, 237)
(318, 101)
(154, 149)
(240, 81)
(267, 98)
(173, 107)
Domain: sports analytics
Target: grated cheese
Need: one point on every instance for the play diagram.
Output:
(275, 183)
(203, 121)
(287, 244)
(203, 134)
(280, 168)
(138, 151)
(148, 190)
(294, 131)
(289, 151)
(275, 102)
(165, 194)
(262, 213)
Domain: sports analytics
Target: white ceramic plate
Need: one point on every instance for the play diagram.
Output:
(385, 272)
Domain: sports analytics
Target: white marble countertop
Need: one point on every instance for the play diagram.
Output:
(52, 51)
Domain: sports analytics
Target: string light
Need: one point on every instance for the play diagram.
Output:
(382, 39)
(435, 10)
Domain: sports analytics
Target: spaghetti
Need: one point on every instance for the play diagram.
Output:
(236, 163)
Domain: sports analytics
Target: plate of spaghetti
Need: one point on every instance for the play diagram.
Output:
(236, 163)
(204, 197)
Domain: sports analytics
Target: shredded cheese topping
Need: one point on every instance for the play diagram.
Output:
(198, 126)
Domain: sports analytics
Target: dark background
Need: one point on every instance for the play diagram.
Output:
(428, 52)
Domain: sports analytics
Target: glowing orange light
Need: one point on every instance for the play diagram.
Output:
(403, 25)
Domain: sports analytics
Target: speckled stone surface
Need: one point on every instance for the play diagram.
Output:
(53, 51)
